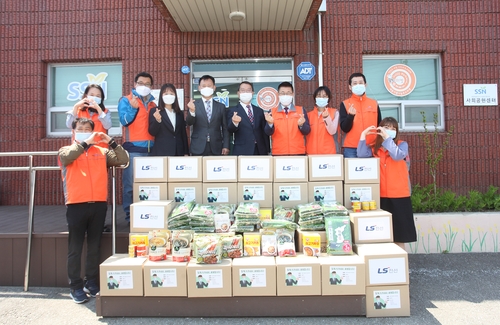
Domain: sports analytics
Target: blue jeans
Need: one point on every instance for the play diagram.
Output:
(350, 152)
(128, 183)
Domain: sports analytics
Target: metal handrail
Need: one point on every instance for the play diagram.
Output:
(32, 182)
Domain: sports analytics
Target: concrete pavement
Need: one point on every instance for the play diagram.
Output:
(444, 289)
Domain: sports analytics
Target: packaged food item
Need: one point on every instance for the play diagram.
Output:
(265, 214)
(179, 217)
(251, 244)
(222, 222)
(138, 239)
(181, 245)
(282, 213)
(132, 251)
(311, 244)
(275, 224)
(285, 241)
(141, 250)
(308, 209)
(207, 249)
(159, 245)
(331, 208)
(269, 246)
(338, 235)
(232, 246)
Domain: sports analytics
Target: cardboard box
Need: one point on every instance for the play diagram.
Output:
(300, 241)
(371, 226)
(326, 168)
(165, 278)
(254, 276)
(361, 170)
(185, 169)
(386, 264)
(255, 169)
(326, 191)
(149, 215)
(298, 276)
(120, 275)
(209, 280)
(290, 169)
(220, 169)
(290, 194)
(388, 301)
(150, 192)
(342, 275)
(221, 193)
(150, 169)
(261, 193)
(365, 192)
(187, 192)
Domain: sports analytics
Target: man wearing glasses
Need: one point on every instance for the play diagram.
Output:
(133, 110)
(287, 124)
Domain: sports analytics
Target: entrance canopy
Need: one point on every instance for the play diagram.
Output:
(238, 15)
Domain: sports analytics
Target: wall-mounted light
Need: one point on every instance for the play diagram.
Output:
(237, 16)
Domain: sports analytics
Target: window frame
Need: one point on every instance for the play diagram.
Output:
(402, 104)
(113, 131)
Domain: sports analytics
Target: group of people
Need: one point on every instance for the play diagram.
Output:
(160, 130)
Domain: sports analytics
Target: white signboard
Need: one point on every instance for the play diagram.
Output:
(480, 95)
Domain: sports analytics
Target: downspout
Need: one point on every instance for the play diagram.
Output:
(320, 52)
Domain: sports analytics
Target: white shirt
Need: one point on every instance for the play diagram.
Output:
(172, 116)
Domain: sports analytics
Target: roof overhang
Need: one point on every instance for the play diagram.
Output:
(238, 15)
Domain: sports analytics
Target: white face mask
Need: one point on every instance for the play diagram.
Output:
(321, 102)
(143, 90)
(97, 100)
(358, 89)
(286, 100)
(79, 136)
(207, 91)
(168, 99)
(391, 133)
(246, 97)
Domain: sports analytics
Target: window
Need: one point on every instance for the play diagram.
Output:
(405, 86)
(67, 83)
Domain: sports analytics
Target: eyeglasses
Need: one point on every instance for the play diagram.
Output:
(140, 83)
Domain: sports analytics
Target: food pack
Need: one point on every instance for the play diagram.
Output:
(181, 245)
(232, 246)
(251, 244)
(269, 245)
(311, 243)
(207, 249)
(159, 245)
(338, 235)
(286, 243)
(282, 213)
(179, 217)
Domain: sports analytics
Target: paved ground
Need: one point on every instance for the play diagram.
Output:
(450, 289)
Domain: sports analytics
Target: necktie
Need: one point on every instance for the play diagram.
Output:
(286, 110)
(209, 110)
(250, 114)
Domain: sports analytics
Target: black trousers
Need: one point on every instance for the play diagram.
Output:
(84, 218)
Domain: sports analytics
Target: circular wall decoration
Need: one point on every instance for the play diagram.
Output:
(267, 98)
(400, 80)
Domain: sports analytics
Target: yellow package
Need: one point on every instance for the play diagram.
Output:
(138, 239)
(311, 243)
(265, 214)
(251, 244)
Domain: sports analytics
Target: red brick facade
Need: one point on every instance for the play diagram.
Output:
(35, 33)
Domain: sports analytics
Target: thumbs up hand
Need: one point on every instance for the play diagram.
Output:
(301, 120)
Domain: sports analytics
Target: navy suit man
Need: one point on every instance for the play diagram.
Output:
(247, 122)
(209, 136)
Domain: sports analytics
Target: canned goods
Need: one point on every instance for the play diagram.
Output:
(132, 251)
(373, 205)
(356, 206)
(141, 250)
(365, 205)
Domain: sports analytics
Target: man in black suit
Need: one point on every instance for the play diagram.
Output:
(209, 136)
(247, 123)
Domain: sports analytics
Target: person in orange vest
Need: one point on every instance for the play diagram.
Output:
(133, 111)
(91, 106)
(394, 178)
(356, 114)
(324, 123)
(84, 171)
(287, 124)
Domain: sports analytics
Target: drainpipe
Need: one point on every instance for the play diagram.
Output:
(320, 44)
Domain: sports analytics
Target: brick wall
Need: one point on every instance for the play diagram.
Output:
(35, 33)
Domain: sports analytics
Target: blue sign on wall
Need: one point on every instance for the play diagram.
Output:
(306, 70)
(185, 69)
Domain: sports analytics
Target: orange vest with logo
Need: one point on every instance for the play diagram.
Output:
(319, 141)
(394, 177)
(366, 115)
(95, 118)
(86, 178)
(287, 138)
(138, 129)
